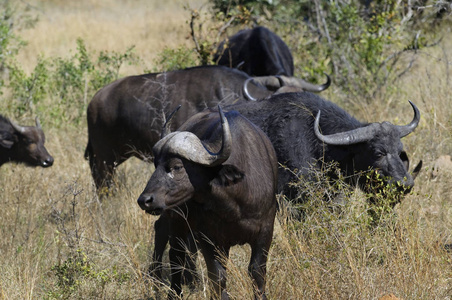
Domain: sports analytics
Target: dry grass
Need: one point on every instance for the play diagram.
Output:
(50, 216)
(107, 25)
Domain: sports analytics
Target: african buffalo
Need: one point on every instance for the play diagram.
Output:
(220, 199)
(23, 144)
(126, 116)
(257, 52)
(307, 131)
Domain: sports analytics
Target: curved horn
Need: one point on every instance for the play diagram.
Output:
(38, 124)
(190, 147)
(239, 65)
(271, 83)
(407, 129)
(17, 127)
(226, 143)
(306, 86)
(246, 91)
(345, 138)
(166, 127)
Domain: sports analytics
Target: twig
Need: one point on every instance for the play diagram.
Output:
(105, 242)
(410, 65)
(194, 15)
(415, 49)
(447, 64)
(224, 27)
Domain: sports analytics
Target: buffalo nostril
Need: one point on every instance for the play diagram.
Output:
(48, 162)
(149, 201)
(145, 201)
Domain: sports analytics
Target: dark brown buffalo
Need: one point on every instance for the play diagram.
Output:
(308, 132)
(23, 144)
(125, 117)
(257, 52)
(215, 180)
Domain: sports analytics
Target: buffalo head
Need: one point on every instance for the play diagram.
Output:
(376, 146)
(24, 144)
(182, 166)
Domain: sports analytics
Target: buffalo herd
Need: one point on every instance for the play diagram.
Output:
(125, 117)
(225, 139)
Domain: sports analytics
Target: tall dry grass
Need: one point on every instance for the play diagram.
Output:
(107, 25)
(60, 241)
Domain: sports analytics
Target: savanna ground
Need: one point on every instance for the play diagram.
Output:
(60, 242)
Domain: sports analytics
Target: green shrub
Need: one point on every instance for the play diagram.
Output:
(108, 66)
(362, 46)
(173, 59)
(10, 43)
(329, 193)
(28, 90)
(76, 269)
(60, 88)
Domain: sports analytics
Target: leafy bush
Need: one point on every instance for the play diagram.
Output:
(67, 83)
(70, 274)
(57, 87)
(327, 190)
(28, 91)
(10, 43)
(361, 43)
(174, 59)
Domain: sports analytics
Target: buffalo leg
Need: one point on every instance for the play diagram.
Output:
(103, 170)
(178, 241)
(216, 267)
(162, 231)
(189, 276)
(258, 263)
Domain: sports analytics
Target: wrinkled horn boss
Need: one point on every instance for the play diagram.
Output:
(189, 146)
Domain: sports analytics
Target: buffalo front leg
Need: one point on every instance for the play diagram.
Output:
(162, 234)
(189, 275)
(179, 231)
(216, 266)
(258, 264)
(162, 231)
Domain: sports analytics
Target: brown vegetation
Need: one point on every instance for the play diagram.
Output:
(60, 241)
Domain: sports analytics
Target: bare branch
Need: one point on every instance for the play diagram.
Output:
(194, 15)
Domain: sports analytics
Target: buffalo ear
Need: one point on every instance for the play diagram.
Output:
(6, 139)
(405, 160)
(229, 175)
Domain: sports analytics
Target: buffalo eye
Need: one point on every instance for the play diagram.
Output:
(174, 170)
(380, 153)
(27, 141)
(177, 168)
